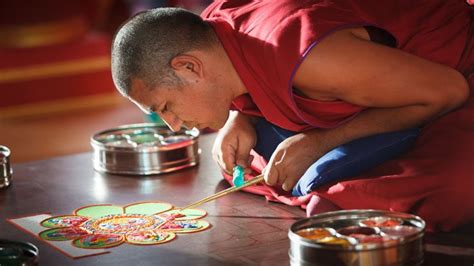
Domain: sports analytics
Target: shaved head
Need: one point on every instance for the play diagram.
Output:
(145, 45)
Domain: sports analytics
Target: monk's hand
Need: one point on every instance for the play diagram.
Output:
(291, 159)
(234, 142)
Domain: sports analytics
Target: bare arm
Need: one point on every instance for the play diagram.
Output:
(400, 89)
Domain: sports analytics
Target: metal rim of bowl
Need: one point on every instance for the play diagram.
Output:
(5, 169)
(355, 214)
(192, 133)
(29, 251)
(145, 151)
(4, 151)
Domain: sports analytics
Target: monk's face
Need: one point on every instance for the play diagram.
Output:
(191, 105)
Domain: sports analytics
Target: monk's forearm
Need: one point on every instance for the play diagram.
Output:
(369, 122)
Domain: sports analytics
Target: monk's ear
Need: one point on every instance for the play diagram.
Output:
(187, 64)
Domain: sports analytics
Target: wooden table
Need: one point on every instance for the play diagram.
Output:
(245, 228)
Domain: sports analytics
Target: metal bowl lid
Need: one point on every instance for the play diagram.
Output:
(144, 149)
(347, 219)
(146, 137)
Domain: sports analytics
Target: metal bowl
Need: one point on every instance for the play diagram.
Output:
(18, 253)
(5, 168)
(144, 149)
(354, 243)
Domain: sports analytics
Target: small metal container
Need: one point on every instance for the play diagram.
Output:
(144, 149)
(18, 253)
(5, 169)
(394, 239)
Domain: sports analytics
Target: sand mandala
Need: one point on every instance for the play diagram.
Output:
(106, 226)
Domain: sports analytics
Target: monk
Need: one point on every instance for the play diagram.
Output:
(316, 77)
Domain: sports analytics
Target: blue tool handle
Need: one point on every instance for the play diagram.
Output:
(238, 176)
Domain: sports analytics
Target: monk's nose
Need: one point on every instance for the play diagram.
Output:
(172, 122)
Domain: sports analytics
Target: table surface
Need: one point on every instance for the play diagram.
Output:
(246, 229)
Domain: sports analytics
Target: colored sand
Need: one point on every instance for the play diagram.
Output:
(332, 240)
(359, 230)
(143, 138)
(314, 233)
(381, 222)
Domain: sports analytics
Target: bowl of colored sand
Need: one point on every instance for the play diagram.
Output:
(357, 237)
(144, 149)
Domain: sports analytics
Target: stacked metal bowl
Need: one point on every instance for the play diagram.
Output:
(144, 149)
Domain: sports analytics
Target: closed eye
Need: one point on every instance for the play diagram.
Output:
(165, 108)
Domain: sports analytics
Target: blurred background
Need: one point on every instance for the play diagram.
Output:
(55, 81)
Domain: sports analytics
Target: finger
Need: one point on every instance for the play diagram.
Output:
(289, 183)
(228, 160)
(217, 155)
(221, 165)
(224, 167)
(242, 154)
(217, 158)
(248, 170)
(282, 175)
(270, 175)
